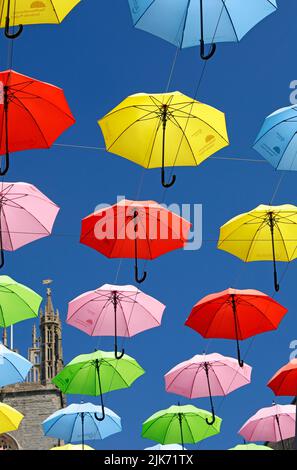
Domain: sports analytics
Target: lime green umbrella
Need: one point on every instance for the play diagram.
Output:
(250, 447)
(17, 302)
(180, 425)
(98, 373)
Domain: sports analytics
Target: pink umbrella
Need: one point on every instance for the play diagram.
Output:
(273, 424)
(207, 375)
(115, 311)
(26, 214)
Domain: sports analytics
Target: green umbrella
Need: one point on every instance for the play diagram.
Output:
(250, 447)
(97, 373)
(180, 425)
(17, 302)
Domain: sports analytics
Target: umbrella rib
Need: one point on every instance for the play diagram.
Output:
(190, 427)
(231, 21)
(126, 129)
(167, 430)
(262, 313)
(185, 136)
(55, 12)
(270, 129)
(74, 423)
(185, 24)
(3, 319)
(190, 115)
(286, 148)
(11, 363)
(145, 11)
(284, 244)
(154, 142)
(21, 105)
(19, 297)
(99, 316)
(8, 232)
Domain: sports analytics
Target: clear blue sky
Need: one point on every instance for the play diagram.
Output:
(98, 58)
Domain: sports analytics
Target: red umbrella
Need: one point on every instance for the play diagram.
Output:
(235, 314)
(33, 114)
(284, 383)
(134, 229)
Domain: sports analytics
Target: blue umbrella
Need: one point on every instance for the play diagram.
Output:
(187, 23)
(13, 367)
(78, 423)
(277, 140)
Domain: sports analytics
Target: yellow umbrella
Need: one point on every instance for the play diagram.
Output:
(13, 12)
(73, 447)
(265, 233)
(10, 418)
(162, 130)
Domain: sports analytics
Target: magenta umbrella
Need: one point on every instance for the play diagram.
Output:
(273, 424)
(115, 311)
(26, 215)
(207, 375)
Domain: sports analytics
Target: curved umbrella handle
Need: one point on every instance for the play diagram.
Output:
(118, 355)
(101, 417)
(138, 279)
(7, 32)
(171, 183)
(212, 51)
(2, 261)
(212, 421)
(6, 167)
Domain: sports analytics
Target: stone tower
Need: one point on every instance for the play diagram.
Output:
(37, 398)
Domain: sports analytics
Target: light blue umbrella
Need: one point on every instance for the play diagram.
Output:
(277, 139)
(187, 23)
(13, 367)
(166, 447)
(79, 422)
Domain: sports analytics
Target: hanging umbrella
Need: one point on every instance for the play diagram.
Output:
(115, 311)
(180, 424)
(17, 303)
(26, 215)
(277, 139)
(134, 229)
(97, 373)
(166, 447)
(33, 114)
(79, 422)
(250, 447)
(33, 12)
(262, 234)
(272, 424)
(10, 419)
(207, 375)
(13, 367)
(284, 383)
(73, 447)
(235, 314)
(187, 23)
(161, 130)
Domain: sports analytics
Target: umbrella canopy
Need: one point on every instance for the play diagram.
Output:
(250, 447)
(277, 139)
(26, 215)
(134, 229)
(262, 234)
(10, 419)
(180, 424)
(17, 302)
(272, 424)
(235, 314)
(97, 373)
(33, 114)
(13, 367)
(166, 447)
(79, 422)
(115, 311)
(160, 130)
(73, 447)
(196, 22)
(207, 375)
(284, 383)
(14, 12)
